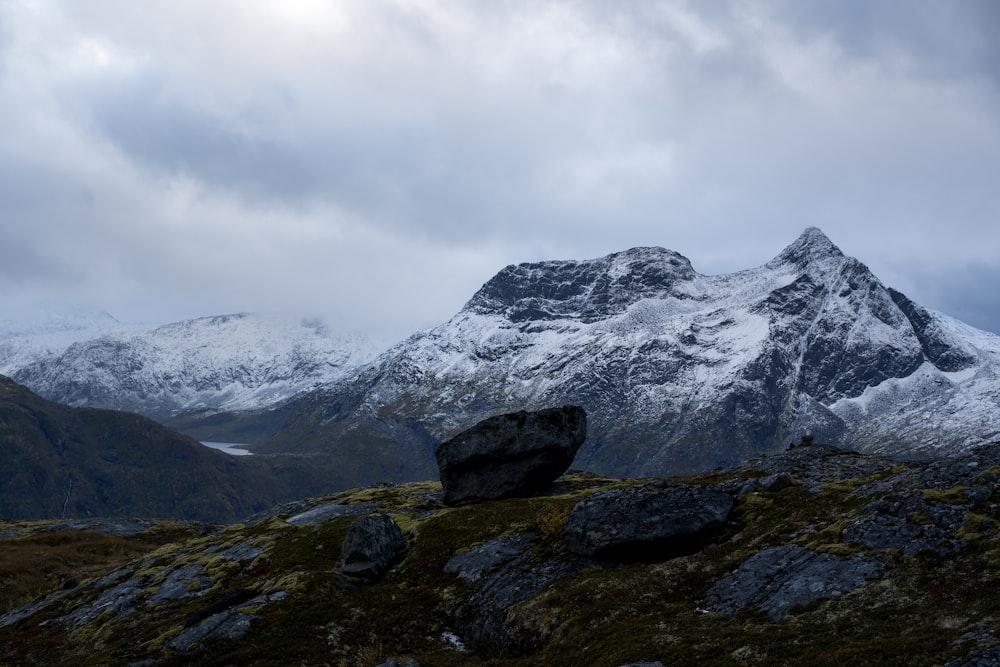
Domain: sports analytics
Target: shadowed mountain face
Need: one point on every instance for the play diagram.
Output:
(679, 371)
(62, 462)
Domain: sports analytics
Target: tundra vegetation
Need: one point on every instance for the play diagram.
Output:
(826, 557)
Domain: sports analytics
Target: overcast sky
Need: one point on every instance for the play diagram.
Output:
(375, 162)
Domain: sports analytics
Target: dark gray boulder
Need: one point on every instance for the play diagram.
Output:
(778, 579)
(372, 545)
(512, 455)
(650, 521)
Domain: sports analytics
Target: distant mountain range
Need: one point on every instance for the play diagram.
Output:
(679, 371)
(211, 364)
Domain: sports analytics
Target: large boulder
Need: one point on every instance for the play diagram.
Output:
(649, 521)
(511, 455)
(372, 545)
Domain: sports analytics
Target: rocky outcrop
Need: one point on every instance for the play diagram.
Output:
(503, 574)
(931, 519)
(647, 522)
(372, 545)
(516, 454)
(777, 580)
(471, 565)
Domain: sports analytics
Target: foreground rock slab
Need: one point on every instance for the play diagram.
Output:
(778, 579)
(503, 573)
(646, 522)
(511, 455)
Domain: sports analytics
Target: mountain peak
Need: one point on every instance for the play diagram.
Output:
(812, 247)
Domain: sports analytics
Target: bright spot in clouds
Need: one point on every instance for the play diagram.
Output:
(375, 163)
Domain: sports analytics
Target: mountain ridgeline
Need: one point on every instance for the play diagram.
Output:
(680, 372)
(214, 364)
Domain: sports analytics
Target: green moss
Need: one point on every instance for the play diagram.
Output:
(955, 495)
(974, 527)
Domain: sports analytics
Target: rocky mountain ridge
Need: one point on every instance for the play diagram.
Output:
(679, 371)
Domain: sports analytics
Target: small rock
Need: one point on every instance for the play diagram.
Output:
(651, 521)
(240, 551)
(224, 602)
(517, 454)
(327, 511)
(372, 545)
(224, 625)
(776, 482)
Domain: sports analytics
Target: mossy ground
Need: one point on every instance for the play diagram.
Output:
(35, 561)
(913, 615)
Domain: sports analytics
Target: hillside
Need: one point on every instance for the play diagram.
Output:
(75, 463)
(826, 557)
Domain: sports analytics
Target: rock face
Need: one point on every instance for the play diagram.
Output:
(778, 579)
(471, 565)
(502, 574)
(646, 522)
(516, 454)
(372, 545)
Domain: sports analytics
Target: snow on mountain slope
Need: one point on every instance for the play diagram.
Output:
(232, 362)
(678, 371)
(44, 333)
(944, 412)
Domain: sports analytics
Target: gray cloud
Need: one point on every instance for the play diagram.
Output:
(378, 161)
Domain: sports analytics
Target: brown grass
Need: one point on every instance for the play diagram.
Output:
(39, 562)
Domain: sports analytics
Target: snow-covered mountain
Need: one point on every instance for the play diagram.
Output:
(678, 371)
(45, 332)
(224, 363)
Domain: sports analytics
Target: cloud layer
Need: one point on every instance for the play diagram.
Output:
(376, 162)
